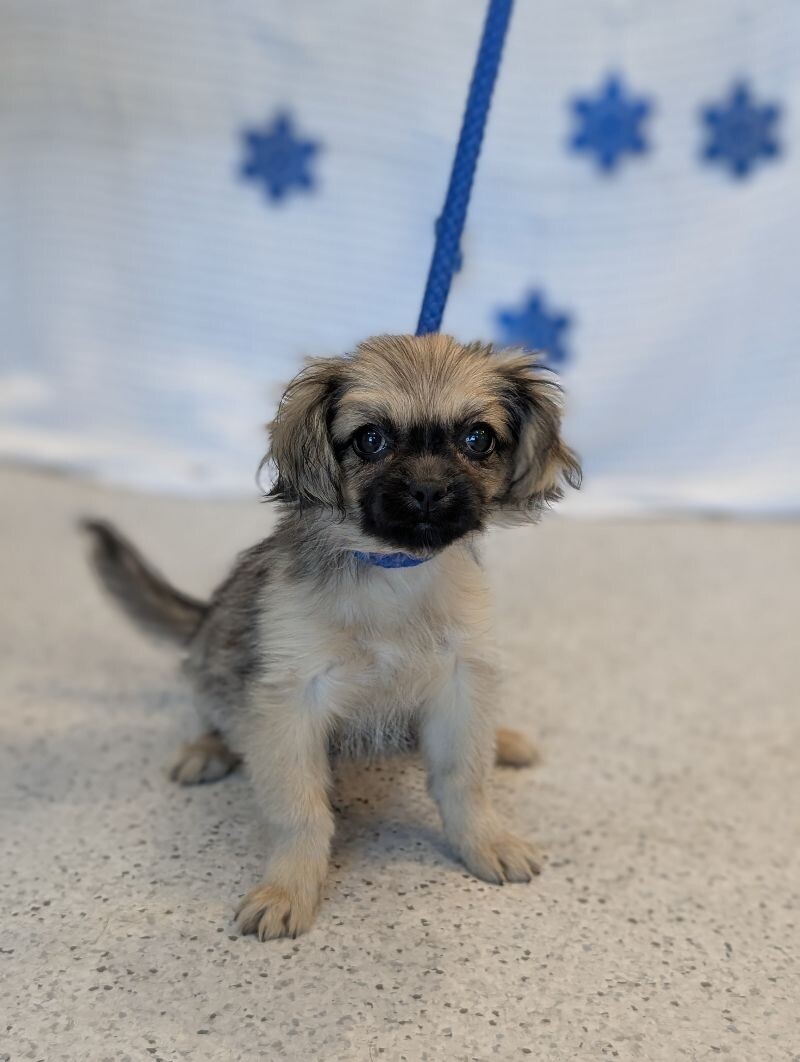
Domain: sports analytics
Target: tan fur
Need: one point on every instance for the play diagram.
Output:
(395, 378)
(306, 651)
(355, 656)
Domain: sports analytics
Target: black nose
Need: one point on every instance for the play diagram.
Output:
(426, 494)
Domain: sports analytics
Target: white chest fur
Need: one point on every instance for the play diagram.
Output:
(369, 651)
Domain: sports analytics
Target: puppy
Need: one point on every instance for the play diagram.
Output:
(360, 626)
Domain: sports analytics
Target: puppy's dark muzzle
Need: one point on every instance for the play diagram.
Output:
(420, 514)
(427, 497)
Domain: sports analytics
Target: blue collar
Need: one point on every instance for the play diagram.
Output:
(388, 560)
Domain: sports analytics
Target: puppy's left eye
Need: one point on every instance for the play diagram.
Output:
(479, 441)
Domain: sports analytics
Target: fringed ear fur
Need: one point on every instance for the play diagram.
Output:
(542, 464)
(306, 470)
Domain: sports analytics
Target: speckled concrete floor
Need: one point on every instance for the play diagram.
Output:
(657, 664)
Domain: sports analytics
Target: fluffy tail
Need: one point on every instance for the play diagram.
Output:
(145, 595)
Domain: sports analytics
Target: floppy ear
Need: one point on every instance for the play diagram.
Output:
(541, 463)
(300, 446)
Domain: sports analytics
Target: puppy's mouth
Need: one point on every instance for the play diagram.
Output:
(390, 514)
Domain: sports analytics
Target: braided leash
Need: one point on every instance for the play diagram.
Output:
(454, 212)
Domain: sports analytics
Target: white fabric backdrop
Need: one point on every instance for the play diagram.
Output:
(152, 299)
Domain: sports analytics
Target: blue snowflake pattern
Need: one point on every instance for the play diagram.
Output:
(278, 158)
(740, 132)
(534, 327)
(610, 124)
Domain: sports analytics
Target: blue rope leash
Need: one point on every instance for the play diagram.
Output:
(454, 212)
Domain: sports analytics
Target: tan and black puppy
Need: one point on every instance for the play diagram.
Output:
(361, 625)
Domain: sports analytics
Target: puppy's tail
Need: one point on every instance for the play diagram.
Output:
(146, 596)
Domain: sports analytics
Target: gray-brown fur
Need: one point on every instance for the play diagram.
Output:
(305, 649)
(223, 656)
(147, 597)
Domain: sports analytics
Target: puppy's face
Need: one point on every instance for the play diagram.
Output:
(419, 441)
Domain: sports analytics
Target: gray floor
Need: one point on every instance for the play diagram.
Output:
(658, 665)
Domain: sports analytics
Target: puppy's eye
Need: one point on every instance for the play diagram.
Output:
(370, 441)
(479, 440)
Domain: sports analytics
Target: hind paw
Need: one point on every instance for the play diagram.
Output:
(513, 749)
(206, 760)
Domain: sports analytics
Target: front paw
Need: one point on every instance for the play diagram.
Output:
(272, 911)
(503, 858)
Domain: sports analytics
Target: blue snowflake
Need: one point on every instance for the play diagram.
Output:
(534, 327)
(610, 124)
(740, 132)
(278, 158)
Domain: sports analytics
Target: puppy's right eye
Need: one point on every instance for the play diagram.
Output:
(370, 441)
